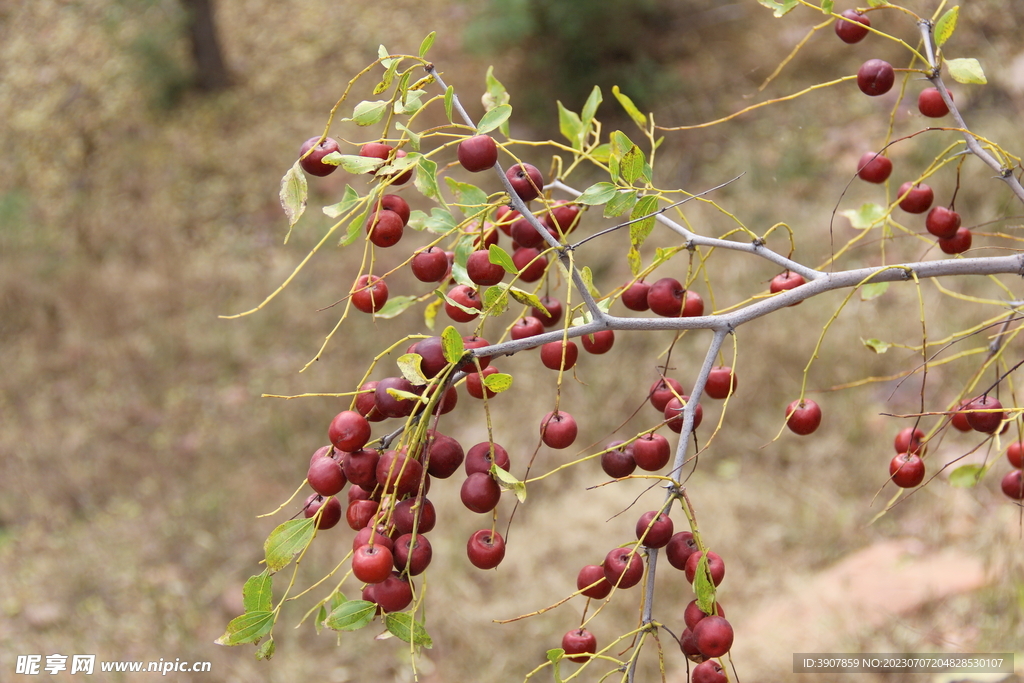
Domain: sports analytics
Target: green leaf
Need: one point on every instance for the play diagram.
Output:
(351, 616)
(496, 299)
(353, 163)
(827, 6)
(527, 298)
(588, 281)
(635, 263)
(355, 228)
(463, 249)
(395, 307)
(348, 202)
(602, 153)
(426, 179)
(466, 195)
(427, 42)
(257, 595)
(555, 655)
(873, 290)
(876, 345)
(382, 54)
(368, 113)
(500, 257)
(630, 108)
(414, 138)
(410, 102)
(494, 118)
(632, 164)
(286, 541)
(408, 395)
(451, 345)
(403, 626)
(449, 101)
(781, 8)
(966, 71)
(498, 382)
(247, 628)
(294, 191)
(409, 364)
(639, 231)
(440, 221)
(867, 216)
(506, 480)
(389, 77)
(966, 476)
(623, 201)
(878, 3)
(570, 126)
(266, 649)
(399, 164)
(946, 24)
(495, 96)
(431, 311)
(598, 193)
(591, 105)
(703, 586)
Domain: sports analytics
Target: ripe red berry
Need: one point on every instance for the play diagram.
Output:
(1015, 454)
(526, 181)
(658, 531)
(349, 431)
(617, 461)
(784, 282)
(713, 636)
(651, 452)
(906, 470)
(852, 28)
(313, 163)
(985, 422)
(931, 104)
(478, 153)
(530, 263)
(385, 228)
(418, 512)
(666, 297)
(372, 563)
(412, 556)
(480, 457)
(693, 615)
(803, 417)
(598, 342)
(716, 567)
(1013, 485)
(486, 549)
(579, 642)
(371, 293)
(708, 671)
(909, 440)
(662, 391)
(475, 383)
(874, 168)
(942, 222)
(482, 271)
(558, 430)
(679, 549)
(915, 198)
(430, 265)
(399, 474)
(634, 297)
(480, 493)
(958, 243)
(875, 77)
(589, 576)
(552, 356)
(959, 418)
(563, 218)
(551, 314)
(467, 297)
(721, 382)
(674, 414)
(326, 476)
(623, 567)
(393, 594)
(331, 514)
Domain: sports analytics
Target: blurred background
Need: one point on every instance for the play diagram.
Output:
(144, 141)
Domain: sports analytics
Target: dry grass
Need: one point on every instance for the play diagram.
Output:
(135, 451)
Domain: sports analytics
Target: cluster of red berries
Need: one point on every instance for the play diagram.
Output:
(876, 77)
